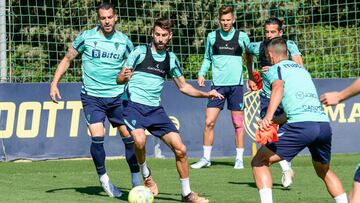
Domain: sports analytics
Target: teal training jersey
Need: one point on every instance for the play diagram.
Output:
(102, 59)
(145, 88)
(254, 49)
(300, 101)
(226, 69)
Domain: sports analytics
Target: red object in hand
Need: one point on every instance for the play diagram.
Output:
(267, 135)
(258, 79)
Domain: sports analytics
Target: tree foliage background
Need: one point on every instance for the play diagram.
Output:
(39, 32)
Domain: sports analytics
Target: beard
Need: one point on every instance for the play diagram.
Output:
(160, 46)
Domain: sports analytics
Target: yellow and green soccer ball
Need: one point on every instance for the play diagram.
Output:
(140, 194)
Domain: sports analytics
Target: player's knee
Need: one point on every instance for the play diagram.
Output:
(139, 142)
(321, 170)
(259, 161)
(238, 122)
(180, 152)
(209, 123)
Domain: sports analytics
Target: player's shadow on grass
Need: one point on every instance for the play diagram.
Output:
(91, 190)
(253, 184)
(98, 191)
(222, 163)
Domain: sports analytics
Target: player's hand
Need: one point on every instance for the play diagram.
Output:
(54, 93)
(215, 94)
(265, 123)
(201, 81)
(251, 85)
(127, 73)
(330, 98)
(265, 69)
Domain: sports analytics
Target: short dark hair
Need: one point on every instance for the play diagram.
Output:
(163, 23)
(278, 44)
(106, 6)
(223, 10)
(274, 21)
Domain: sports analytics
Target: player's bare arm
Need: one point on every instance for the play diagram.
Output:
(251, 84)
(124, 76)
(60, 70)
(332, 98)
(277, 92)
(189, 90)
(297, 59)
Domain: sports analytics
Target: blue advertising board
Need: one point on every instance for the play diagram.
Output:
(33, 127)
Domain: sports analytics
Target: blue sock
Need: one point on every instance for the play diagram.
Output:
(98, 154)
(130, 154)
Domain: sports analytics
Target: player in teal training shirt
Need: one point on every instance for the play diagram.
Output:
(333, 98)
(148, 66)
(307, 125)
(273, 27)
(223, 53)
(103, 51)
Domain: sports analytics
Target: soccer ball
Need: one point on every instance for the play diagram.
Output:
(140, 194)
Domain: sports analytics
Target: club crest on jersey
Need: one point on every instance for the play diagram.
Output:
(116, 45)
(133, 122)
(251, 112)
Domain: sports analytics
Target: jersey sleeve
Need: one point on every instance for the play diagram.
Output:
(175, 69)
(79, 43)
(244, 40)
(251, 48)
(207, 57)
(135, 57)
(274, 73)
(129, 47)
(293, 48)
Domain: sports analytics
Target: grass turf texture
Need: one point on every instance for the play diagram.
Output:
(76, 181)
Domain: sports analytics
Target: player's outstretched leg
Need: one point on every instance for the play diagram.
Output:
(148, 179)
(140, 151)
(331, 181)
(98, 155)
(173, 140)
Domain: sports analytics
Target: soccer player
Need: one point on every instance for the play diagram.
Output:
(333, 98)
(273, 27)
(307, 125)
(103, 51)
(148, 66)
(223, 52)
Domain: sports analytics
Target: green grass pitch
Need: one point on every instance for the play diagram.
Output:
(76, 181)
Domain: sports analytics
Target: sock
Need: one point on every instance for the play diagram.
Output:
(185, 186)
(135, 177)
(98, 154)
(341, 198)
(239, 153)
(284, 165)
(104, 178)
(130, 154)
(207, 152)
(266, 195)
(144, 170)
(289, 163)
